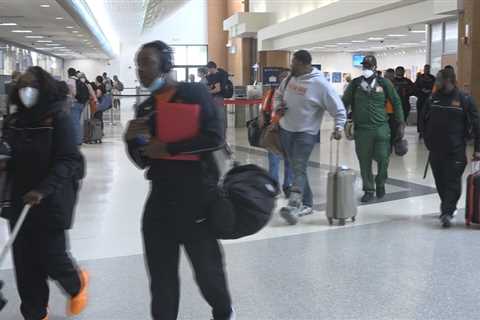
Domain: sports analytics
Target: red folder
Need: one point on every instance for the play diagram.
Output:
(177, 122)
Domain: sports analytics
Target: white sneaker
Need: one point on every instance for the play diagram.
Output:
(305, 211)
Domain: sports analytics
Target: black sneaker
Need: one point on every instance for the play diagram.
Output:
(381, 193)
(287, 191)
(446, 220)
(368, 197)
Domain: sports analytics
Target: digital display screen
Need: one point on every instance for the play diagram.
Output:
(357, 60)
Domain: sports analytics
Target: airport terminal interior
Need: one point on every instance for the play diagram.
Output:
(394, 261)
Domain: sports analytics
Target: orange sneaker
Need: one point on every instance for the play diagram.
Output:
(46, 318)
(78, 303)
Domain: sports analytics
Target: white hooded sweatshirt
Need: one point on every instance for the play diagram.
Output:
(307, 97)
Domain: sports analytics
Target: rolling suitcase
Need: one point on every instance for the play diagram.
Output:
(341, 200)
(93, 131)
(472, 211)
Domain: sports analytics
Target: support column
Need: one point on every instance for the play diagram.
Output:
(217, 38)
(469, 48)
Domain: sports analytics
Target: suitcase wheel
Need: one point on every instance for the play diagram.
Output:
(342, 222)
(354, 219)
(330, 221)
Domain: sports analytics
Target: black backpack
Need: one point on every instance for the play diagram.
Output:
(244, 204)
(83, 95)
(227, 84)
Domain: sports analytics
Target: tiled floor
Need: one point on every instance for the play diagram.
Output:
(395, 262)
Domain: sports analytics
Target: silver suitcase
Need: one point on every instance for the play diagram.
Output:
(341, 199)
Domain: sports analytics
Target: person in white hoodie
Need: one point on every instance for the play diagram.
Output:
(302, 99)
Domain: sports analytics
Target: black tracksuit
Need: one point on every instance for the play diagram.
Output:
(45, 158)
(176, 209)
(448, 121)
(405, 89)
(423, 89)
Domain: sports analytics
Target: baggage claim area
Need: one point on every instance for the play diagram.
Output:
(393, 260)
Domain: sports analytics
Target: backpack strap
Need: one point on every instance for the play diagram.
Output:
(166, 95)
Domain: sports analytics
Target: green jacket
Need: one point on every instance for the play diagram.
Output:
(369, 108)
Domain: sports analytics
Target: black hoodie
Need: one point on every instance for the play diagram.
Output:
(45, 158)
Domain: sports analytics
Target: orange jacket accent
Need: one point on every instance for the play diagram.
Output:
(267, 106)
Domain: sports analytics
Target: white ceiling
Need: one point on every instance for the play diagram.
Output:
(67, 43)
(385, 40)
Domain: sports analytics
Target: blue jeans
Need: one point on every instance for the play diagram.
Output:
(76, 114)
(298, 147)
(274, 170)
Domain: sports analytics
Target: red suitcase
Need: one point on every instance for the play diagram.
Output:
(472, 212)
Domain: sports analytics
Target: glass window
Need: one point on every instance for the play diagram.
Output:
(180, 55)
(437, 47)
(180, 74)
(197, 55)
(451, 37)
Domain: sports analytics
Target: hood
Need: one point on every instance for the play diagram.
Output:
(312, 75)
(46, 106)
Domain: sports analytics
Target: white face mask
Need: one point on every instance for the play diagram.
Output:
(28, 96)
(367, 73)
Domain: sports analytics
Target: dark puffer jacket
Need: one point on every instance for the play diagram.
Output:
(45, 158)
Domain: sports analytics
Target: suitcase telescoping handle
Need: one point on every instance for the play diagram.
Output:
(14, 232)
(337, 163)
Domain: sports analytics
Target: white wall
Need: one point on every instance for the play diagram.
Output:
(186, 26)
(287, 9)
(413, 59)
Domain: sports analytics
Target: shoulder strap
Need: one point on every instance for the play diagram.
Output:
(464, 102)
(166, 95)
(355, 84)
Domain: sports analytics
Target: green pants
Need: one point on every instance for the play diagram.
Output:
(373, 144)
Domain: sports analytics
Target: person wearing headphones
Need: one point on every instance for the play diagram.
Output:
(176, 210)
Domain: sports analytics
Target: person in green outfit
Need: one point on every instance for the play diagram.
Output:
(367, 96)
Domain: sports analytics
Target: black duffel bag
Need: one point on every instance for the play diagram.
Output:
(244, 204)
(254, 132)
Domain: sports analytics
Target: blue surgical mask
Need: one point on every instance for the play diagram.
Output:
(157, 84)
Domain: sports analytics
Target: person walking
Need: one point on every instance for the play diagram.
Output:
(79, 96)
(266, 117)
(301, 101)
(423, 90)
(44, 171)
(366, 96)
(405, 89)
(452, 109)
(177, 207)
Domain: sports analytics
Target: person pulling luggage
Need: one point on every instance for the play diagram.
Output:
(450, 119)
(44, 171)
(367, 95)
(183, 177)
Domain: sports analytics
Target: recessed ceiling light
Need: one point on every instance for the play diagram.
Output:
(44, 41)
(6, 24)
(22, 31)
(343, 43)
(69, 27)
(53, 44)
(376, 39)
(331, 46)
(410, 43)
(39, 48)
(59, 18)
(397, 35)
(418, 31)
(75, 31)
(45, 5)
(359, 41)
(34, 37)
(58, 48)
